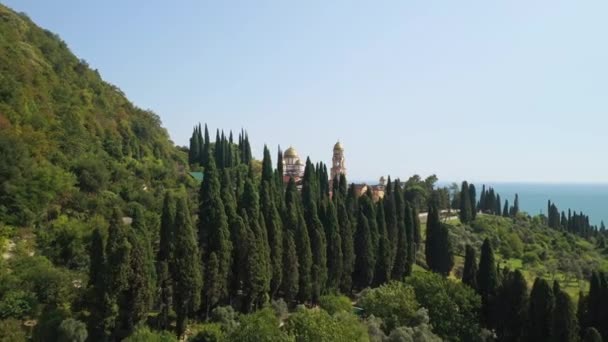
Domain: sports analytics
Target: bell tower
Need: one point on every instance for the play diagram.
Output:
(338, 167)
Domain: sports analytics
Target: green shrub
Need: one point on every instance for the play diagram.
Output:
(395, 303)
(335, 303)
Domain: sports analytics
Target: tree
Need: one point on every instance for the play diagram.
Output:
(383, 265)
(261, 325)
(453, 307)
(290, 284)
(334, 247)
(164, 259)
(592, 335)
(97, 283)
(295, 222)
(473, 199)
(274, 229)
(118, 273)
(465, 213)
(318, 325)
(71, 330)
(513, 312)
(439, 254)
(365, 259)
(542, 305)
(394, 302)
(139, 293)
(515, 206)
(348, 244)
(565, 325)
(487, 282)
(408, 224)
(214, 236)
(186, 267)
(469, 274)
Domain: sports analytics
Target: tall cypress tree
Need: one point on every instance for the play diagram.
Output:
(118, 271)
(274, 230)
(487, 282)
(473, 199)
(139, 293)
(249, 204)
(516, 205)
(318, 243)
(164, 258)
(186, 267)
(505, 210)
(400, 266)
(365, 256)
(96, 286)
(383, 265)
(417, 234)
(469, 274)
(214, 236)
(291, 275)
(408, 224)
(390, 212)
(465, 213)
(335, 257)
(542, 306)
(565, 324)
(295, 223)
(514, 308)
(439, 257)
(348, 243)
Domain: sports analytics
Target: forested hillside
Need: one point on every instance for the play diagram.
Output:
(70, 142)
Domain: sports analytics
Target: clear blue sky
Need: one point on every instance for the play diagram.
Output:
(484, 90)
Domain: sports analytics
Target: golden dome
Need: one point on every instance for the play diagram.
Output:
(338, 146)
(290, 153)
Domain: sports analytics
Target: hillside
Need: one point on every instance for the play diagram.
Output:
(71, 143)
(528, 244)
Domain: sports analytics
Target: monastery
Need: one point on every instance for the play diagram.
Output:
(293, 167)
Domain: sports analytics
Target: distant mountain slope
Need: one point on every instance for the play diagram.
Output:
(70, 142)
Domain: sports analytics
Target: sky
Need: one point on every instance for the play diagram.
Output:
(480, 90)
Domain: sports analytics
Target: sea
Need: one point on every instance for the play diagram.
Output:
(591, 199)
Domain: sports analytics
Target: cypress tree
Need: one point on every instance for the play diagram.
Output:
(565, 325)
(595, 301)
(274, 230)
(465, 213)
(505, 210)
(214, 236)
(439, 257)
(96, 286)
(591, 335)
(487, 282)
(318, 243)
(139, 293)
(250, 205)
(469, 274)
(515, 308)
(409, 239)
(498, 206)
(295, 223)
(206, 152)
(365, 256)
(290, 284)
(390, 212)
(163, 259)
(335, 257)
(186, 267)
(473, 199)
(516, 205)
(266, 166)
(194, 150)
(542, 305)
(383, 268)
(348, 244)
(417, 234)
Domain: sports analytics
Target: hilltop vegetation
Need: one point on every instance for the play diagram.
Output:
(70, 142)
